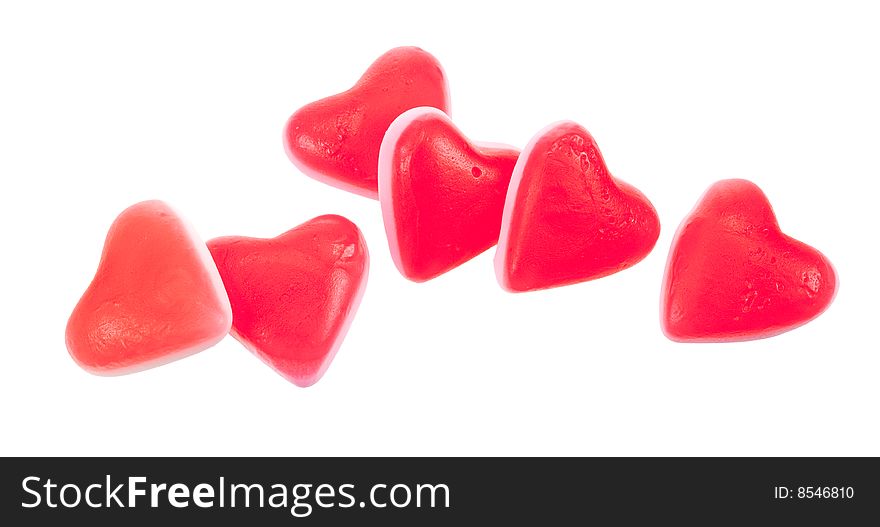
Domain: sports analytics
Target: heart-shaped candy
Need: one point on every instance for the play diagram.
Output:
(732, 275)
(294, 296)
(336, 140)
(566, 219)
(441, 195)
(155, 297)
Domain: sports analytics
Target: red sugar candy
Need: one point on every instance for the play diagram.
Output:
(294, 296)
(336, 139)
(566, 219)
(442, 195)
(733, 275)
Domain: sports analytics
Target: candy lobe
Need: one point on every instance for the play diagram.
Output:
(294, 296)
(566, 219)
(156, 296)
(442, 195)
(732, 275)
(336, 139)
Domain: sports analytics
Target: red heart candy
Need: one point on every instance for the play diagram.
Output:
(294, 296)
(732, 275)
(336, 140)
(441, 195)
(566, 219)
(155, 297)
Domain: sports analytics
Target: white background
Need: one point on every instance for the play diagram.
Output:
(103, 105)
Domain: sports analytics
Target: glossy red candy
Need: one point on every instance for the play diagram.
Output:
(733, 275)
(155, 297)
(566, 219)
(294, 296)
(336, 140)
(441, 195)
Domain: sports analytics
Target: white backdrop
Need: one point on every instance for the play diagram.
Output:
(106, 104)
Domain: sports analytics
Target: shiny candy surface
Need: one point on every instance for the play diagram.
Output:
(733, 275)
(336, 139)
(294, 296)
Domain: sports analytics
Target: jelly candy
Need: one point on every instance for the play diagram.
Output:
(336, 139)
(566, 219)
(441, 195)
(155, 297)
(294, 296)
(733, 275)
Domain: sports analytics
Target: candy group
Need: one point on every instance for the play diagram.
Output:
(557, 214)
(733, 275)
(293, 297)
